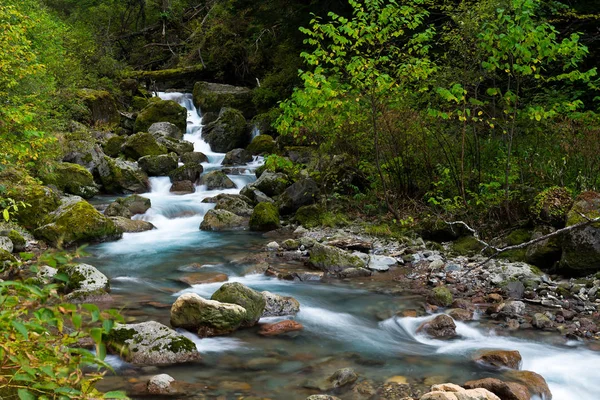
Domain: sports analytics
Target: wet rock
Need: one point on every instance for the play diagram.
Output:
(499, 358)
(151, 343)
(333, 260)
(206, 317)
(252, 301)
(255, 195)
(504, 390)
(161, 111)
(128, 206)
(6, 244)
(227, 132)
(160, 384)
(165, 129)
(179, 147)
(271, 183)
(120, 176)
(440, 327)
(71, 178)
(204, 277)
(194, 157)
(131, 226)
(534, 382)
(276, 305)
(265, 217)
(235, 203)
(212, 97)
(512, 309)
(272, 246)
(159, 165)
(182, 187)
(262, 144)
(452, 392)
(142, 144)
(187, 172)
(280, 328)
(340, 378)
(441, 296)
(237, 157)
(291, 244)
(381, 263)
(459, 314)
(216, 180)
(350, 273)
(541, 321)
(85, 281)
(222, 220)
(301, 193)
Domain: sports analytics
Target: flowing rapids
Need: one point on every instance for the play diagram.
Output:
(340, 324)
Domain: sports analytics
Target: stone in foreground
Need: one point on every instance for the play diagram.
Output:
(251, 300)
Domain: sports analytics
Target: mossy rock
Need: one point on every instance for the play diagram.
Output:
(84, 280)
(546, 253)
(160, 165)
(112, 147)
(212, 97)
(467, 245)
(6, 259)
(223, 220)
(516, 237)
(272, 184)
(551, 206)
(265, 217)
(71, 178)
(179, 147)
(138, 103)
(75, 222)
(262, 144)
(120, 176)
(101, 105)
(128, 206)
(237, 204)
(235, 293)
(19, 242)
(142, 144)
(40, 200)
(301, 193)
(230, 131)
(441, 296)
(309, 216)
(194, 157)
(187, 172)
(161, 111)
(333, 260)
(217, 180)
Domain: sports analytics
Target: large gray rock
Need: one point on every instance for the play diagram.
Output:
(160, 384)
(546, 252)
(277, 306)
(228, 132)
(251, 300)
(161, 111)
(206, 317)
(187, 172)
(237, 157)
(271, 183)
(142, 144)
(223, 220)
(216, 180)
(194, 157)
(333, 260)
(440, 327)
(128, 206)
(151, 343)
(212, 97)
(6, 244)
(165, 129)
(236, 204)
(70, 178)
(120, 176)
(179, 147)
(84, 281)
(160, 165)
(132, 225)
(255, 195)
(301, 193)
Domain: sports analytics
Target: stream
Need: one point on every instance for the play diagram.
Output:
(341, 327)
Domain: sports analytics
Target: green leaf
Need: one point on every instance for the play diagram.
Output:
(96, 334)
(25, 394)
(22, 329)
(115, 395)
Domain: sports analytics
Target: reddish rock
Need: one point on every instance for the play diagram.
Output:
(494, 298)
(460, 314)
(499, 358)
(203, 277)
(504, 390)
(279, 328)
(440, 327)
(535, 382)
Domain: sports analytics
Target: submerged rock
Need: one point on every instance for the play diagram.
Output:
(217, 180)
(499, 358)
(280, 328)
(340, 378)
(132, 225)
(276, 305)
(222, 220)
(440, 327)
(206, 317)
(151, 343)
(252, 301)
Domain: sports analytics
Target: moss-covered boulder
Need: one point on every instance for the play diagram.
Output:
(179, 147)
(252, 301)
(151, 343)
(76, 221)
(70, 178)
(237, 157)
(581, 247)
(235, 203)
(441, 296)
(516, 237)
(223, 220)
(142, 144)
(161, 111)
(216, 180)
(132, 225)
(550, 207)
(262, 145)
(272, 184)
(18, 241)
(165, 129)
(120, 176)
(265, 217)
(546, 253)
(80, 147)
(301, 193)
(228, 132)
(6, 244)
(211, 97)
(334, 261)
(84, 281)
(467, 245)
(255, 195)
(6, 259)
(112, 147)
(187, 172)
(128, 206)
(40, 200)
(101, 106)
(206, 317)
(160, 165)
(194, 157)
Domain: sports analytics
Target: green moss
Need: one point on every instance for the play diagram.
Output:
(467, 245)
(552, 205)
(211, 97)
(161, 111)
(142, 144)
(383, 230)
(138, 103)
(70, 178)
(309, 216)
(518, 236)
(514, 255)
(6, 257)
(442, 296)
(165, 74)
(181, 344)
(265, 217)
(112, 147)
(18, 240)
(251, 300)
(101, 105)
(262, 144)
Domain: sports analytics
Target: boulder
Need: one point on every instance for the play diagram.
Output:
(6, 244)
(160, 384)
(333, 260)
(265, 217)
(120, 176)
(251, 300)
(504, 390)
(112, 147)
(132, 225)
(216, 180)
(581, 247)
(464, 394)
(195, 157)
(84, 281)
(262, 145)
(212, 97)
(381, 263)
(441, 296)
(277, 306)
(541, 321)
(160, 165)
(301, 193)
(512, 309)
(76, 221)
(535, 383)
(179, 147)
(101, 105)
(128, 206)
(550, 207)
(237, 157)
(71, 179)
(499, 358)
(6, 260)
(223, 220)
(187, 172)
(161, 111)
(546, 253)
(165, 129)
(228, 132)
(460, 314)
(279, 328)
(18, 240)
(142, 144)
(182, 187)
(151, 343)
(79, 147)
(206, 317)
(271, 183)
(439, 327)
(236, 204)
(322, 397)
(255, 195)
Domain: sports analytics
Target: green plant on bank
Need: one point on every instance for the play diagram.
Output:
(41, 355)
(9, 206)
(275, 163)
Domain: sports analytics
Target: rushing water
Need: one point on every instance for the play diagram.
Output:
(340, 324)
